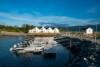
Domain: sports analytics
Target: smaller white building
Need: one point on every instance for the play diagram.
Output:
(35, 30)
(89, 31)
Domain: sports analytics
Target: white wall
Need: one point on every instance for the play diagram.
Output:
(50, 30)
(56, 30)
(44, 30)
(89, 31)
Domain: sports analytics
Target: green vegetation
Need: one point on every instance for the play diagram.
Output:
(24, 28)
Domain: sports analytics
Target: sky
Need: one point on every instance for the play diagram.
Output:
(70, 12)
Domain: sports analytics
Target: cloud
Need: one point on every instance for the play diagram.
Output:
(94, 10)
(35, 19)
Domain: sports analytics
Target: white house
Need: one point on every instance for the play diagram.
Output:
(30, 31)
(50, 30)
(44, 30)
(89, 31)
(56, 30)
(35, 30)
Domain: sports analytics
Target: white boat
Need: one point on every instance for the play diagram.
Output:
(38, 45)
(31, 48)
(16, 49)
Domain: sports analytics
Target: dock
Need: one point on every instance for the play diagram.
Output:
(39, 44)
(82, 37)
(87, 52)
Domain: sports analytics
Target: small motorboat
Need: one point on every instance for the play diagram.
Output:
(16, 49)
(21, 48)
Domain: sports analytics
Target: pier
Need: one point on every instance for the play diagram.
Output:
(82, 37)
(86, 52)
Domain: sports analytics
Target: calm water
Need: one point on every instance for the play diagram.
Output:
(8, 59)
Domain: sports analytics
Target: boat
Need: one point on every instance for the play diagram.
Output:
(27, 46)
(37, 46)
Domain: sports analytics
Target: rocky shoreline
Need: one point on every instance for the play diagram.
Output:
(83, 53)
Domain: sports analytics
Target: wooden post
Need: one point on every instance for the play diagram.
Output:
(70, 43)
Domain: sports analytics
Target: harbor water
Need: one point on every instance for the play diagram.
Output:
(8, 59)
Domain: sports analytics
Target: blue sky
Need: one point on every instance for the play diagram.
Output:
(71, 12)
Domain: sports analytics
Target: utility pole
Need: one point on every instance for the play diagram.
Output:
(70, 43)
(96, 32)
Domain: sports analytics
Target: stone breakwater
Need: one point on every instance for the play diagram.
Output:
(84, 53)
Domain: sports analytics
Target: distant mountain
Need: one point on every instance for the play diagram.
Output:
(54, 24)
(82, 28)
(61, 26)
(71, 28)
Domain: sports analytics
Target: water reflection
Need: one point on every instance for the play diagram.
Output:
(25, 54)
(48, 56)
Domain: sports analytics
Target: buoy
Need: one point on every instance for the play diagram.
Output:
(85, 59)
